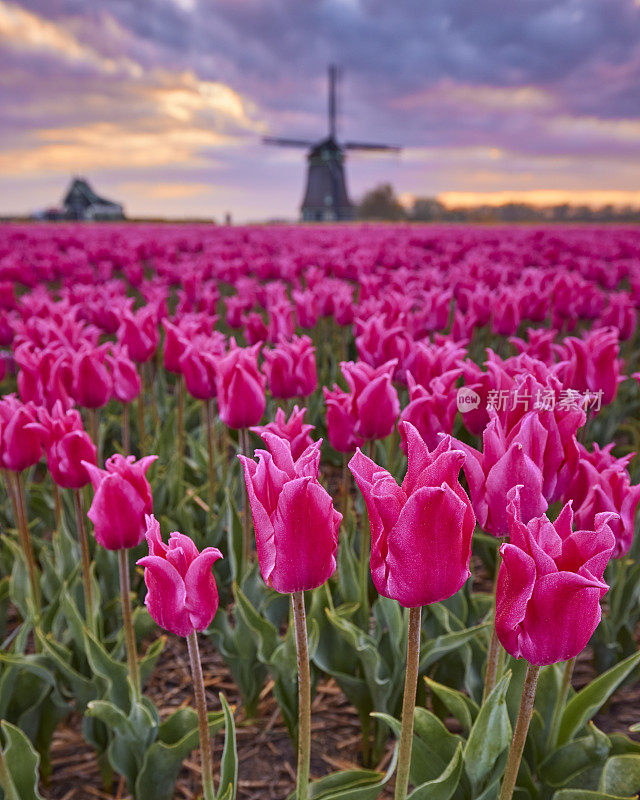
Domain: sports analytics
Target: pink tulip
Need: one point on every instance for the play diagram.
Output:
(307, 310)
(427, 361)
(375, 400)
(420, 531)
(293, 430)
(378, 342)
(504, 463)
(67, 446)
(198, 364)
(295, 522)
(591, 364)
(124, 374)
(175, 343)
(431, 410)
(550, 584)
(139, 332)
(92, 385)
(20, 441)
(241, 387)
(341, 420)
(281, 321)
(291, 368)
(539, 344)
(255, 329)
(601, 483)
(122, 498)
(182, 595)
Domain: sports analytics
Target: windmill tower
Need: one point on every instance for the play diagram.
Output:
(326, 198)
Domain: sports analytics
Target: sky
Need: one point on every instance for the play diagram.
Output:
(162, 104)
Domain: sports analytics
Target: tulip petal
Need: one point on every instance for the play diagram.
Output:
(515, 467)
(262, 524)
(117, 513)
(428, 549)
(516, 579)
(305, 537)
(563, 614)
(364, 470)
(166, 595)
(201, 589)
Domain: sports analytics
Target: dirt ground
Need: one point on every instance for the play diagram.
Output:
(267, 760)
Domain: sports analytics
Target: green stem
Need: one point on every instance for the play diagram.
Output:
(520, 733)
(126, 433)
(494, 655)
(127, 619)
(147, 371)
(180, 417)
(25, 543)
(563, 693)
(94, 430)
(243, 435)
(346, 485)
(57, 505)
(6, 781)
(211, 453)
(304, 696)
(85, 560)
(366, 740)
(142, 432)
(408, 704)
(203, 721)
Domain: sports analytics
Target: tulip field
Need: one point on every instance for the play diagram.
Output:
(319, 512)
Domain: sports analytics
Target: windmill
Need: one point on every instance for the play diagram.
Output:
(326, 197)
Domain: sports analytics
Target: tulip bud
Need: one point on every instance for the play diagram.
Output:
(375, 400)
(20, 442)
(292, 429)
(295, 522)
(67, 446)
(91, 386)
(122, 498)
(291, 368)
(126, 379)
(420, 531)
(182, 595)
(139, 332)
(550, 584)
(241, 388)
(341, 420)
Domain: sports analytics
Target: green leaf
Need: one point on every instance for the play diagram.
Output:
(163, 760)
(463, 708)
(149, 660)
(581, 708)
(22, 762)
(83, 689)
(489, 736)
(433, 745)
(267, 634)
(356, 784)
(566, 763)
(229, 763)
(113, 672)
(434, 649)
(621, 775)
(442, 788)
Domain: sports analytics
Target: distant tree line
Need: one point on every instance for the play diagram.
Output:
(381, 203)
